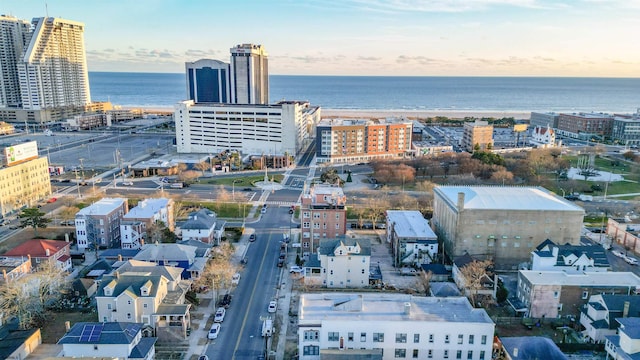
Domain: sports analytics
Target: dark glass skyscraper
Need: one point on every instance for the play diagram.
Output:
(208, 81)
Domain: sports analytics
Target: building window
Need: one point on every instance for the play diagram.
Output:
(430, 354)
(128, 316)
(401, 338)
(416, 338)
(311, 335)
(401, 353)
(415, 353)
(128, 302)
(311, 350)
(108, 306)
(460, 338)
(470, 354)
(481, 354)
(363, 337)
(483, 340)
(585, 294)
(446, 339)
(431, 338)
(446, 354)
(350, 336)
(471, 339)
(378, 337)
(556, 294)
(459, 354)
(334, 336)
(145, 306)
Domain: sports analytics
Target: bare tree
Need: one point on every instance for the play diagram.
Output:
(219, 270)
(69, 212)
(473, 275)
(203, 166)
(423, 282)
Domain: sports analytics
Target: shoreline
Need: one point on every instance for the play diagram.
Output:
(367, 113)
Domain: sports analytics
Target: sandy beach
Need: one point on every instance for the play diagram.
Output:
(423, 114)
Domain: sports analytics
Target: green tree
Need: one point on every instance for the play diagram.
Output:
(349, 177)
(33, 217)
(330, 176)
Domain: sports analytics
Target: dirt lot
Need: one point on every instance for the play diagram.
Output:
(54, 329)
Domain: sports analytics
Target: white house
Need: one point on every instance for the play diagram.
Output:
(390, 326)
(543, 137)
(625, 345)
(601, 312)
(134, 225)
(99, 223)
(412, 240)
(569, 258)
(109, 340)
(203, 225)
(340, 263)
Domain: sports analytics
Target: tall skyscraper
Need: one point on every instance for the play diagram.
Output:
(208, 81)
(14, 35)
(53, 73)
(250, 75)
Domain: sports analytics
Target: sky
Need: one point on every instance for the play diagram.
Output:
(583, 38)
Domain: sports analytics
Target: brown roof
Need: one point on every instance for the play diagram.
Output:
(37, 248)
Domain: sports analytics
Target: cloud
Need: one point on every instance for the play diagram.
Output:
(422, 60)
(439, 5)
(369, 58)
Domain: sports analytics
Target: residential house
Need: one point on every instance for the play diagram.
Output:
(146, 293)
(176, 255)
(625, 345)
(390, 326)
(600, 313)
(85, 287)
(98, 225)
(553, 294)
(14, 268)
(413, 243)
(543, 137)
(134, 225)
(569, 258)
(16, 343)
(324, 216)
(439, 272)
(486, 285)
(530, 347)
(39, 250)
(340, 263)
(203, 225)
(122, 340)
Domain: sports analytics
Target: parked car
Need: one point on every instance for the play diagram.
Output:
(52, 200)
(226, 301)
(280, 262)
(235, 280)
(203, 357)
(618, 253)
(252, 237)
(127, 183)
(273, 306)
(220, 313)
(631, 261)
(214, 331)
(264, 210)
(247, 189)
(296, 269)
(408, 271)
(68, 223)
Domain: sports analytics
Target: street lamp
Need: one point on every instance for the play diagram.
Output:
(233, 188)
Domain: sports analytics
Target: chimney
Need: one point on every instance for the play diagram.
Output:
(66, 237)
(515, 352)
(460, 201)
(554, 251)
(47, 252)
(119, 257)
(67, 326)
(407, 308)
(625, 309)
(4, 274)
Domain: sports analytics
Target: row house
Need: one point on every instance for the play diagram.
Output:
(148, 212)
(203, 225)
(98, 225)
(600, 314)
(324, 215)
(412, 240)
(569, 258)
(340, 263)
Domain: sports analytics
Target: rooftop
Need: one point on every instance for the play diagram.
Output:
(38, 248)
(532, 347)
(506, 198)
(387, 307)
(147, 208)
(410, 224)
(585, 279)
(102, 207)
(101, 333)
(630, 326)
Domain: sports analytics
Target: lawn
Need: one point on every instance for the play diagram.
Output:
(223, 210)
(242, 181)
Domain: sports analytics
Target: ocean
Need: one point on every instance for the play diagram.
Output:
(500, 94)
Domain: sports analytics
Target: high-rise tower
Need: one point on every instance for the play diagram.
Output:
(14, 36)
(53, 73)
(208, 81)
(250, 75)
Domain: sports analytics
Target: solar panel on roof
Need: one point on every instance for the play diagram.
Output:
(84, 338)
(86, 333)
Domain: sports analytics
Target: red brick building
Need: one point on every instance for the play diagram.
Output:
(585, 125)
(324, 215)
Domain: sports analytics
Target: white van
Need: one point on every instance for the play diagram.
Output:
(267, 328)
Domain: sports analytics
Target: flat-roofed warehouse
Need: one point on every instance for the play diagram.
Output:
(502, 223)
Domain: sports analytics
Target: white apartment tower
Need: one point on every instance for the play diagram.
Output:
(14, 36)
(250, 75)
(53, 71)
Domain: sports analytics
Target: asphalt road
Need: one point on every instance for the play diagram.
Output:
(240, 336)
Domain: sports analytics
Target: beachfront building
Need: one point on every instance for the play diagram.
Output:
(502, 223)
(278, 129)
(626, 129)
(24, 177)
(551, 294)
(55, 59)
(352, 140)
(585, 126)
(98, 225)
(14, 35)
(324, 215)
(250, 74)
(148, 212)
(390, 326)
(477, 134)
(339, 263)
(413, 243)
(208, 81)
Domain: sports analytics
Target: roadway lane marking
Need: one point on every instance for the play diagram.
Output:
(253, 291)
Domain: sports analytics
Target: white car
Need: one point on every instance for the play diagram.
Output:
(264, 210)
(618, 253)
(214, 331)
(631, 261)
(235, 280)
(220, 313)
(273, 306)
(127, 183)
(296, 269)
